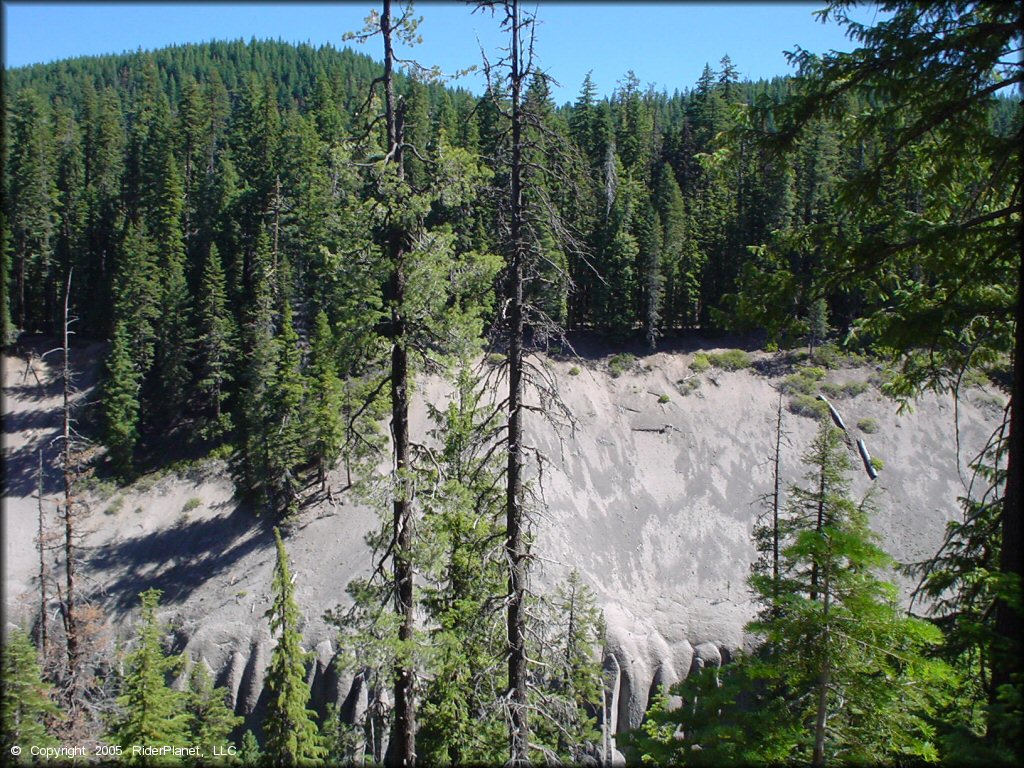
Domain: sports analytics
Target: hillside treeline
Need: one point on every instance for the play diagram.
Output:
(180, 184)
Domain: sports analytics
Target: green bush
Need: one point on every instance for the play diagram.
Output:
(846, 389)
(700, 363)
(664, 399)
(831, 389)
(803, 381)
(687, 386)
(829, 355)
(621, 363)
(731, 359)
(854, 388)
(809, 406)
(574, 371)
(868, 426)
(115, 506)
(194, 503)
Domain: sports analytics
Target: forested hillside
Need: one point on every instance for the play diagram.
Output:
(274, 241)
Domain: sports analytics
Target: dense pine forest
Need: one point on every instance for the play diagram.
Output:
(274, 242)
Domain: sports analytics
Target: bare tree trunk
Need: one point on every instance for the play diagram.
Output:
(70, 615)
(403, 739)
(515, 539)
(824, 679)
(819, 524)
(775, 503)
(43, 634)
(1009, 625)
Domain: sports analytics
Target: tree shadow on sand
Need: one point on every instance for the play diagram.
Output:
(178, 559)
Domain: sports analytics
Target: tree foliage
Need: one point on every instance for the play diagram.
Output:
(152, 713)
(292, 736)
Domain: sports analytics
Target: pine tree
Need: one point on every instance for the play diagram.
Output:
(136, 294)
(249, 752)
(151, 712)
(172, 352)
(286, 428)
(567, 689)
(215, 346)
(462, 575)
(29, 203)
(856, 666)
(652, 281)
(103, 155)
(69, 176)
(211, 720)
(6, 326)
(325, 399)
(121, 404)
(258, 362)
(290, 728)
(26, 705)
(957, 234)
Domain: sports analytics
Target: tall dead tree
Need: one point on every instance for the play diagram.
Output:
(515, 538)
(69, 510)
(775, 499)
(403, 738)
(531, 162)
(41, 544)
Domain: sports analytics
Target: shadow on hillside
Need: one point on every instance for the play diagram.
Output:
(21, 467)
(32, 392)
(176, 560)
(23, 421)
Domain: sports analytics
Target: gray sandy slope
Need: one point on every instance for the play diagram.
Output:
(653, 501)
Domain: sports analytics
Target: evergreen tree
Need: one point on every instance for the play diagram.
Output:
(151, 712)
(258, 363)
(136, 296)
(286, 428)
(29, 203)
(325, 415)
(462, 575)
(6, 326)
(69, 176)
(211, 720)
(568, 688)
(682, 263)
(171, 376)
(103, 156)
(956, 233)
(121, 404)
(215, 346)
(249, 752)
(290, 728)
(26, 705)
(649, 247)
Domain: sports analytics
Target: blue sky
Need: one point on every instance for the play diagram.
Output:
(666, 44)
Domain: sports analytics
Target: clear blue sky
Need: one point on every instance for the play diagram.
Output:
(666, 44)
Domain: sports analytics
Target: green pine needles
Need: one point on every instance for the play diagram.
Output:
(292, 736)
(26, 704)
(151, 713)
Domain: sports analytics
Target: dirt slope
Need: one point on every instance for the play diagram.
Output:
(653, 499)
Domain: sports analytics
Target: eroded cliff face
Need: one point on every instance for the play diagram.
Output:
(652, 499)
